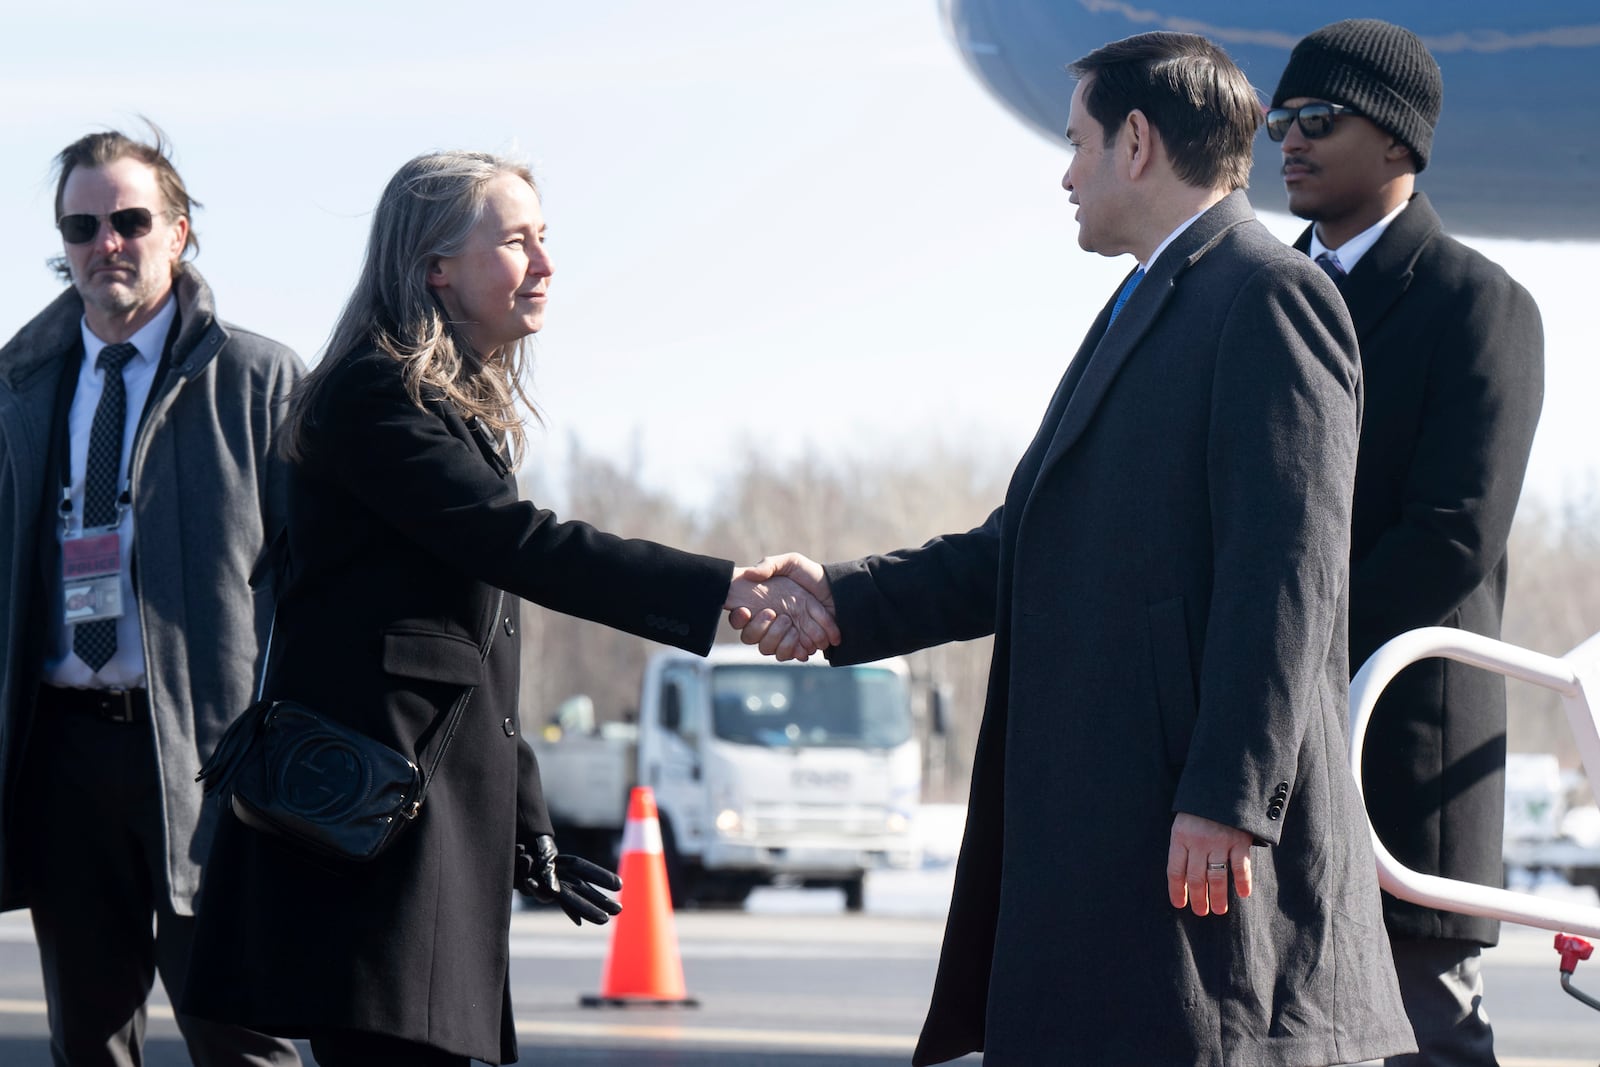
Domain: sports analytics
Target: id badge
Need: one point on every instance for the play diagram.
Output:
(91, 576)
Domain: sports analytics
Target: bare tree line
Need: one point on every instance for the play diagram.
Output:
(1552, 603)
(841, 509)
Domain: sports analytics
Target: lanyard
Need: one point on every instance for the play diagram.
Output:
(64, 507)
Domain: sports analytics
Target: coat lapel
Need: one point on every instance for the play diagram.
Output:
(1033, 458)
(1383, 275)
(1108, 347)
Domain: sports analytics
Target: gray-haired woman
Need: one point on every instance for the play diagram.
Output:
(404, 528)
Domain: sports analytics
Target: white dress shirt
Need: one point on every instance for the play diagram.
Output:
(1171, 237)
(125, 669)
(1349, 254)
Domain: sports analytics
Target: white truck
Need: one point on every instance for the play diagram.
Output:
(1545, 833)
(763, 772)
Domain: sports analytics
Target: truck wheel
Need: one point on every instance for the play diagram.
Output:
(1589, 876)
(726, 891)
(854, 892)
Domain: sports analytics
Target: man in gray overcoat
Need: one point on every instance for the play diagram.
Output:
(138, 486)
(1165, 862)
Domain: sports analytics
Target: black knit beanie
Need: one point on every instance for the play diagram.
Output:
(1382, 71)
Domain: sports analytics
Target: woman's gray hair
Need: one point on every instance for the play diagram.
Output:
(426, 213)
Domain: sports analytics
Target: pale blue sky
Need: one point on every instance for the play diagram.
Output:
(796, 226)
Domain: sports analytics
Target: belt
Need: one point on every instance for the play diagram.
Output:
(113, 705)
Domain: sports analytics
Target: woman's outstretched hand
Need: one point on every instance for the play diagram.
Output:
(783, 605)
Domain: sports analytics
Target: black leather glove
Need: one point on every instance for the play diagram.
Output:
(569, 881)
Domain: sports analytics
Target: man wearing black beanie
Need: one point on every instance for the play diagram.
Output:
(1452, 355)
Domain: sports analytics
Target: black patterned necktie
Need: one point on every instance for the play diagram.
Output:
(1330, 263)
(96, 641)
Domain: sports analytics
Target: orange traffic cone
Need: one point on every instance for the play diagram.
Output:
(643, 966)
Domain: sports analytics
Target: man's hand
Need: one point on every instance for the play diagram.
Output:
(1202, 856)
(551, 878)
(783, 605)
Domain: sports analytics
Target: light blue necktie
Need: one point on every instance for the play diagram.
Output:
(1127, 290)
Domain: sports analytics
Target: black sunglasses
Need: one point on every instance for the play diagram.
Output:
(1316, 120)
(130, 222)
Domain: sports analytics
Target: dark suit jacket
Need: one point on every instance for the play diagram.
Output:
(1166, 586)
(1452, 353)
(401, 532)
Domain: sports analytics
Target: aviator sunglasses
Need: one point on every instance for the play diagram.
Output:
(1316, 120)
(129, 223)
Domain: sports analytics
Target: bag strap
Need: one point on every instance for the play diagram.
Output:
(492, 454)
(410, 811)
(491, 450)
(415, 807)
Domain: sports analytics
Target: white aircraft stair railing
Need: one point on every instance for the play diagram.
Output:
(1576, 676)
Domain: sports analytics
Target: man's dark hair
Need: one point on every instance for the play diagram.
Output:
(102, 149)
(1200, 103)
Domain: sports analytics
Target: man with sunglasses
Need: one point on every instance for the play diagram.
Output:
(1452, 355)
(138, 488)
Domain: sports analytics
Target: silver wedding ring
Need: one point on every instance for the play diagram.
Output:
(1216, 866)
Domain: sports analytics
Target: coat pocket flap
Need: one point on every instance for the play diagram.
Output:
(435, 656)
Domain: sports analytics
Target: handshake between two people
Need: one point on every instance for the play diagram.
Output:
(784, 606)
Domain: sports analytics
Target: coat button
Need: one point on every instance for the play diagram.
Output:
(509, 727)
(1274, 813)
(511, 627)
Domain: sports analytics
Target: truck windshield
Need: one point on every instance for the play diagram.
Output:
(791, 707)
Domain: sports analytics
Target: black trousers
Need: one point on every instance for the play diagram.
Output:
(1441, 982)
(91, 828)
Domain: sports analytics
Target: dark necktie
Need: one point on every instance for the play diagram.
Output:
(1127, 290)
(1330, 263)
(95, 642)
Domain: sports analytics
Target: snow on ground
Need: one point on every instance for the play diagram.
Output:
(1551, 885)
(924, 891)
(937, 828)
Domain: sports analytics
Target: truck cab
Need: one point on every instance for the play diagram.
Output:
(766, 771)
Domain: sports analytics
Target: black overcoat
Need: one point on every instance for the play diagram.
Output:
(1166, 585)
(1452, 354)
(401, 531)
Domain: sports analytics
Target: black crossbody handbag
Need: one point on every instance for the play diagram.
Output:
(325, 787)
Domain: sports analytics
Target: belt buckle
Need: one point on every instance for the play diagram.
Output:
(117, 705)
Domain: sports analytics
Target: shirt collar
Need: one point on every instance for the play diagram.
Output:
(1349, 254)
(150, 339)
(1171, 237)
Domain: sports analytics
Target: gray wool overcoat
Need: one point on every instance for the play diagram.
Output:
(1166, 583)
(208, 492)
